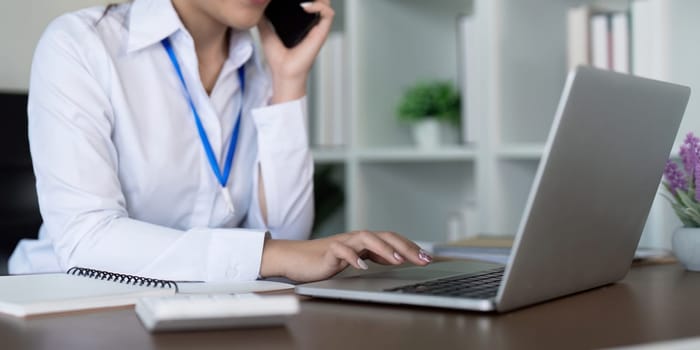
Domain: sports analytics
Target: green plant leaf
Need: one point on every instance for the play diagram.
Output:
(686, 201)
(437, 99)
(693, 206)
(668, 189)
(670, 199)
(679, 209)
(688, 218)
(693, 215)
(680, 212)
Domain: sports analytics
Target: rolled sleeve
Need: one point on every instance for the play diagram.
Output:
(287, 170)
(284, 125)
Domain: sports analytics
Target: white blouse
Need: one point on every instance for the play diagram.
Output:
(123, 181)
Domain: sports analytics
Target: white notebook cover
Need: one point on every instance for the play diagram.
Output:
(26, 295)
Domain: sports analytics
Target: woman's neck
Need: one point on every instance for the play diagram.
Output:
(210, 40)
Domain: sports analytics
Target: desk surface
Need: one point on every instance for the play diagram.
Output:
(652, 303)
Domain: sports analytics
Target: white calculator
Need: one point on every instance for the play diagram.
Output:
(215, 311)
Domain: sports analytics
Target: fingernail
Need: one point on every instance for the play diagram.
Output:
(305, 4)
(398, 257)
(362, 263)
(423, 255)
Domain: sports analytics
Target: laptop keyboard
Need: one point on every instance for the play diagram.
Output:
(483, 285)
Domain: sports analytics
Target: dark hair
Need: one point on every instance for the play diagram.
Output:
(107, 9)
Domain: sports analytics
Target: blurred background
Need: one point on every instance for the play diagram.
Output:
(382, 167)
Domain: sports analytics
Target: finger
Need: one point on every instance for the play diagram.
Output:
(406, 248)
(371, 242)
(317, 35)
(347, 254)
(320, 6)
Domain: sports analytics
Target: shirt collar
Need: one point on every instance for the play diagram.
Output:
(151, 21)
(242, 49)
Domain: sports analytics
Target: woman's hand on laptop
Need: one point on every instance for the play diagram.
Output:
(319, 259)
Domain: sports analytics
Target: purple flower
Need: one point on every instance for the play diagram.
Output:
(697, 181)
(674, 176)
(682, 179)
(690, 150)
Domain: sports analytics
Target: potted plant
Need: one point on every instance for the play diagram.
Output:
(433, 110)
(682, 181)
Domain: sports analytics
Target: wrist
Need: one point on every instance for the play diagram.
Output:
(288, 89)
(271, 262)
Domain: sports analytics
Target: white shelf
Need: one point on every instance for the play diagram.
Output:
(411, 154)
(520, 53)
(524, 151)
(394, 154)
(394, 45)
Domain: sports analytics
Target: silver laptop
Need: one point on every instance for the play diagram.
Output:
(595, 184)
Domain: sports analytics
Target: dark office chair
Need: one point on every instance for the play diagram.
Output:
(19, 209)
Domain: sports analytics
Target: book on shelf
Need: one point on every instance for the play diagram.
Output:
(87, 289)
(630, 38)
(647, 38)
(599, 36)
(578, 36)
(329, 122)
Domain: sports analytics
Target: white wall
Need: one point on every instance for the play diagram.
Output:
(684, 59)
(21, 25)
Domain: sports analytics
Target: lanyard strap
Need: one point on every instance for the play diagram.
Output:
(221, 176)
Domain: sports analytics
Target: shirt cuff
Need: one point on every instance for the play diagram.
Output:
(236, 254)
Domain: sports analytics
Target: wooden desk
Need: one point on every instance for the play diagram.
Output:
(652, 303)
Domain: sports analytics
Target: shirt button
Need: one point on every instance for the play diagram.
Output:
(231, 272)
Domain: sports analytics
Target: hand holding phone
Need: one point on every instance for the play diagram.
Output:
(290, 21)
(288, 24)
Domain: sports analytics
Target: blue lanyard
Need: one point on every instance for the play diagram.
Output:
(222, 177)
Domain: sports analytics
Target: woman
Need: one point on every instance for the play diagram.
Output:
(136, 114)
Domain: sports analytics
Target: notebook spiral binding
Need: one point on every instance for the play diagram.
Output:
(122, 278)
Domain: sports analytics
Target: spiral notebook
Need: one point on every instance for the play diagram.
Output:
(84, 289)
(78, 289)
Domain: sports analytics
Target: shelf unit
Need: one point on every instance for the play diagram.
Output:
(520, 51)
(388, 183)
(530, 151)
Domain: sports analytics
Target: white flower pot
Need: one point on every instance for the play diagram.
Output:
(686, 247)
(431, 133)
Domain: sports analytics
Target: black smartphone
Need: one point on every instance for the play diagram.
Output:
(290, 21)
